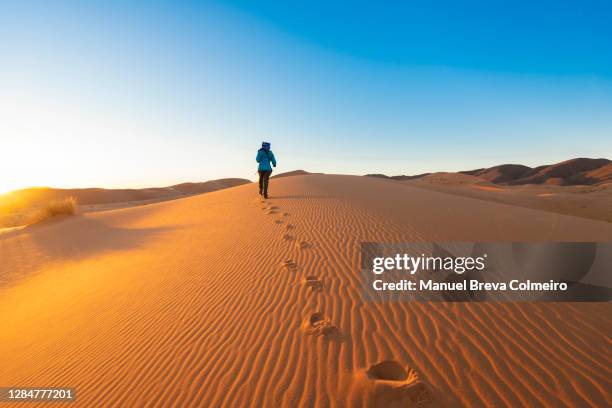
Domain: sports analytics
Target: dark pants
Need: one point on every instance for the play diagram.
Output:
(264, 177)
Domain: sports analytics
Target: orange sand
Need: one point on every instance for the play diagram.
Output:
(487, 188)
(224, 300)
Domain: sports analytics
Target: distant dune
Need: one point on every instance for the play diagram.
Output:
(105, 196)
(579, 171)
(291, 173)
(500, 174)
(447, 178)
(571, 172)
(226, 299)
(579, 187)
(401, 178)
(603, 173)
(23, 200)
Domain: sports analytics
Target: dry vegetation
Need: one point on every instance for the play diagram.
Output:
(64, 206)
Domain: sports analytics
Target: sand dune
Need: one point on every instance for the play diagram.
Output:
(292, 173)
(106, 196)
(583, 201)
(225, 299)
(591, 200)
(15, 205)
(570, 172)
(603, 174)
(580, 171)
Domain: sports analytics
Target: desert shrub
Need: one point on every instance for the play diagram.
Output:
(63, 206)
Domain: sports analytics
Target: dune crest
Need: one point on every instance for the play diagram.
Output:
(14, 203)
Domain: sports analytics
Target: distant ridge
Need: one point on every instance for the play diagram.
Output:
(14, 200)
(580, 171)
(293, 173)
(500, 174)
(402, 177)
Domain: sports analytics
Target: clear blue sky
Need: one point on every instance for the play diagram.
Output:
(154, 93)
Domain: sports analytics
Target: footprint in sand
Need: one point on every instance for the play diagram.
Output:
(288, 237)
(313, 283)
(289, 264)
(302, 244)
(278, 221)
(388, 383)
(270, 209)
(285, 214)
(289, 226)
(319, 325)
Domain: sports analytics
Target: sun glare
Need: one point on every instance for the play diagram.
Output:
(8, 187)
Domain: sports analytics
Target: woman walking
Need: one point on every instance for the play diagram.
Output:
(265, 157)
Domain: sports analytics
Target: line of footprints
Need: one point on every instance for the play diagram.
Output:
(385, 381)
(317, 324)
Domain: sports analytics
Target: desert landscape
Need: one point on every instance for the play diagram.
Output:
(307, 204)
(227, 299)
(16, 207)
(580, 187)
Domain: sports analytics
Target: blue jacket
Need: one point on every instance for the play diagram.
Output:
(264, 160)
